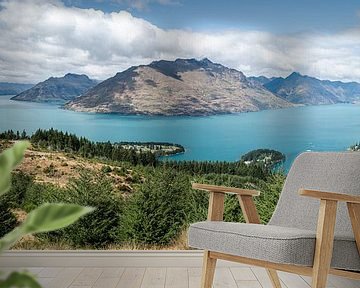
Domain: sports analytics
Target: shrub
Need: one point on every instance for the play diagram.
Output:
(160, 209)
(268, 199)
(101, 227)
(50, 170)
(38, 193)
(7, 219)
(20, 184)
(106, 169)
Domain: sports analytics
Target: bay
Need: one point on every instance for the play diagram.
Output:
(221, 137)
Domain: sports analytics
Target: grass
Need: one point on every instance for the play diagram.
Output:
(35, 243)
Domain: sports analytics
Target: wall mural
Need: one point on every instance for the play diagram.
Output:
(126, 103)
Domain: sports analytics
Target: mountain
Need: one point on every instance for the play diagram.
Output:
(180, 87)
(302, 89)
(57, 89)
(7, 88)
(261, 80)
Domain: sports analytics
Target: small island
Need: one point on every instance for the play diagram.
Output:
(268, 157)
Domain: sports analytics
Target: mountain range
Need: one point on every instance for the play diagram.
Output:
(180, 87)
(7, 88)
(188, 87)
(302, 89)
(262, 80)
(57, 89)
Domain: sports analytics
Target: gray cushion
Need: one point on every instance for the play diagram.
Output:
(270, 243)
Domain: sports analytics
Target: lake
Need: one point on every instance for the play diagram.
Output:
(222, 137)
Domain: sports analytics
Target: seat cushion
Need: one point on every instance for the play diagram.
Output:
(270, 243)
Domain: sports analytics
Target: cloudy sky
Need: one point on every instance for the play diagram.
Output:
(42, 38)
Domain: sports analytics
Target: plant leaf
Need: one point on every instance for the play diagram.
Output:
(52, 216)
(9, 159)
(5, 181)
(47, 217)
(9, 239)
(19, 279)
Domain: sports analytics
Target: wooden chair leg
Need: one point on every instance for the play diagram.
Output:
(354, 212)
(208, 270)
(324, 243)
(274, 278)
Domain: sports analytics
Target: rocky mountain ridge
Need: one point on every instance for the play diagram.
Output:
(306, 90)
(57, 89)
(180, 87)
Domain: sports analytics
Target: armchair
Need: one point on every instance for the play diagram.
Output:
(312, 232)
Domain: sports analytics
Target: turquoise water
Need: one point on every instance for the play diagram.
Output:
(223, 137)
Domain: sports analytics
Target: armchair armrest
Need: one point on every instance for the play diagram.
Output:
(328, 201)
(322, 195)
(216, 201)
(224, 189)
(326, 224)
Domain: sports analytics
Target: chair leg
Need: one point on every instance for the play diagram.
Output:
(324, 243)
(274, 278)
(208, 271)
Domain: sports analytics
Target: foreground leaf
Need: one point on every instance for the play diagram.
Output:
(9, 239)
(20, 280)
(5, 181)
(47, 217)
(9, 159)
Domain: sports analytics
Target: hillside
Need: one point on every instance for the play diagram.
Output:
(302, 89)
(138, 205)
(180, 87)
(57, 89)
(7, 88)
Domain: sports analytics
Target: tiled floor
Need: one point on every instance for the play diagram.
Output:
(170, 277)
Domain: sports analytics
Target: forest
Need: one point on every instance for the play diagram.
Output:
(155, 213)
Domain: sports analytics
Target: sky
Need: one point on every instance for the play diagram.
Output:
(43, 38)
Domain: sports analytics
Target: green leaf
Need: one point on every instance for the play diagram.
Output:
(49, 217)
(9, 239)
(9, 159)
(5, 181)
(13, 156)
(20, 280)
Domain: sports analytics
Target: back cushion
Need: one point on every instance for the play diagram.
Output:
(324, 171)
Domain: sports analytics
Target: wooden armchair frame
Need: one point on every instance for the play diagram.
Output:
(324, 236)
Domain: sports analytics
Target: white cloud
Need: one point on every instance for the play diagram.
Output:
(45, 38)
(138, 4)
(143, 4)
